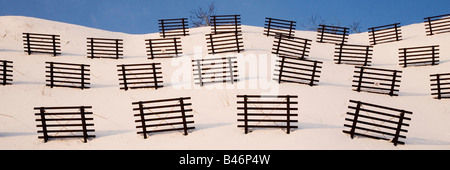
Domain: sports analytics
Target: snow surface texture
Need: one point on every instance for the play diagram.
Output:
(322, 108)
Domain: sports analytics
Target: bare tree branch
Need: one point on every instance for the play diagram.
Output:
(200, 17)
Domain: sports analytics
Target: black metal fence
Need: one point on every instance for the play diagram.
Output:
(332, 34)
(377, 122)
(64, 122)
(67, 75)
(225, 23)
(42, 43)
(376, 80)
(104, 48)
(163, 48)
(135, 76)
(225, 42)
(440, 85)
(264, 111)
(163, 115)
(215, 70)
(274, 27)
(353, 54)
(296, 70)
(6, 72)
(173, 27)
(385, 34)
(419, 56)
(437, 24)
(291, 46)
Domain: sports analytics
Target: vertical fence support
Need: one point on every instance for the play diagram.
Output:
(404, 57)
(83, 123)
(290, 28)
(367, 56)
(245, 114)
(429, 26)
(268, 27)
(355, 119)
(44, 124)
(399, 127)
(323, 31)
(124, 76)
(54, 44)
(117, 49)
(343, 36)
(438, 86)
(151, 48)
(28, 44)
(433, 56)
(373, 36)
(281, 69)
(51, 75)
(154, 76)
(288, 113)
(184, 27)
(183, 115)
(4, 72)
(231, 70)
(237, 41)
(360, 79)
(92, 48)
(391, 93)
(313, 74)
(211, 42)
(175, 45)
(396, 32)
(82, 76)
(340, 53)
(141, 113)
(163, 30)
(214, 19)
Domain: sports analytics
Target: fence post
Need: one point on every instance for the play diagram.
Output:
(54, 45)
(154, 75)
(290, 28)
(281, 69)
(391, 93)
(268, 27)
(323, 31)
(28, 44)
(367, 56)
(245, 115)
(82, 76)
(288, 113)
(279, 41)
(396, 32)
(429, 26)
(151, 48)
(163, 30)
(433, 56)
(117, 49)
(184, 27)
(358, 89)
(176, 48)
(340, 53)
(438, 86)
(212, 45)
(373, 36)
(51, 75)
(199, 73)
(237, 41)
(231, 70)
(44, 124)
(83, 122)
(141, 113)
(183, 115)
(399, 127)
(4, 72)
(214, 19)
(236, 24)
(355, 119)
(313, 74)
(345, 34)
(92, 48)
(124, 76)
(404, 57)
(304, 49)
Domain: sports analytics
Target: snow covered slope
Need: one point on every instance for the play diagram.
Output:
(322, 109)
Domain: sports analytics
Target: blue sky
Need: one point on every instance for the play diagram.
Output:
(141, 16)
